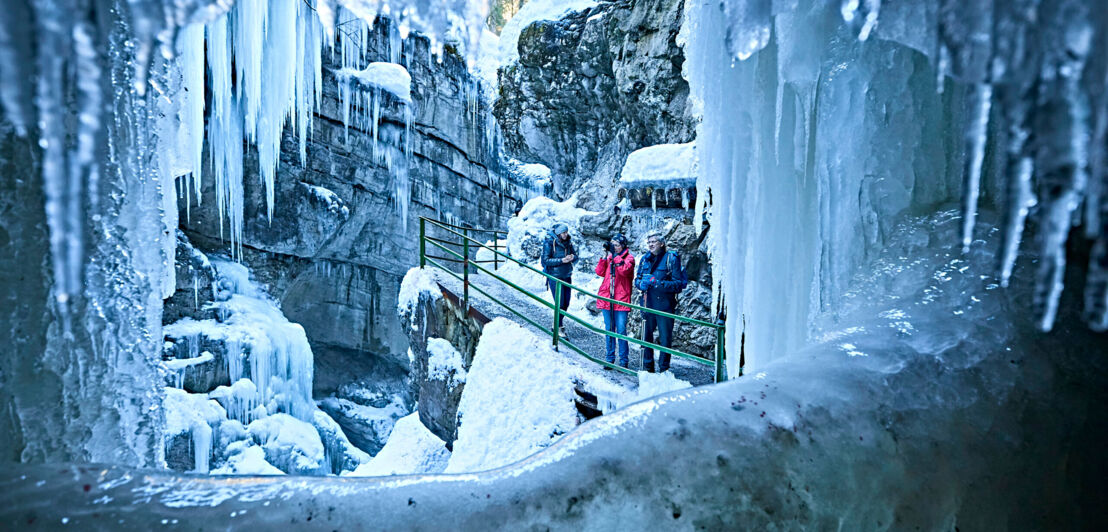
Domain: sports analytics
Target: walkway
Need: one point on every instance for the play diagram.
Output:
(590, 342)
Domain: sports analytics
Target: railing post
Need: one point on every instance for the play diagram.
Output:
(721, 368)
(495, 251)
(557, 307)
(422, 242)
(465, 267)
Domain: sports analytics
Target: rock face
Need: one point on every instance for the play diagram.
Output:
(339, 243)
(593, 87)
(438, 317)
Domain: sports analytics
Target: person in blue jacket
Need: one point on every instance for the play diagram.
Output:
(558, 256)
(660, 278)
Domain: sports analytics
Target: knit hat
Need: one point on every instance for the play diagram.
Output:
(560, 228)
(621, 239)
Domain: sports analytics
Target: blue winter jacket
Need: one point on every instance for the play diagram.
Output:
(661, 278)
(553, 250)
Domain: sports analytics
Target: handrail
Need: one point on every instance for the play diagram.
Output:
(464, 277)
(444, 224)
(586, 292)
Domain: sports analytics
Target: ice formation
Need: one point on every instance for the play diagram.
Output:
(269, 400)
(835, 121)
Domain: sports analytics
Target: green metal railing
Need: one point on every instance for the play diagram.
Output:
(467, 244)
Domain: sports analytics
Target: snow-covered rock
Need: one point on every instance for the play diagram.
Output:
(531, 12)
(293, 446)
(662, 166)
(535, 222)
(411, 450)
(388, 77)
(367, 426)
(246, 458)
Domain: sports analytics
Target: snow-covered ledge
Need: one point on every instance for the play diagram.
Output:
(911, 413)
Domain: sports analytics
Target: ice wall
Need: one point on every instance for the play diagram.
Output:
(824, 123)
(102, 109)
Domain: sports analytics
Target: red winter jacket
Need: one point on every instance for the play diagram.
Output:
(624, 266)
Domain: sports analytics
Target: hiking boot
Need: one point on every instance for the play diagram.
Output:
(562, 331)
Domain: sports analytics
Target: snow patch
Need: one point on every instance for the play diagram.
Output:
(445, 363)
(417, 281)
(412, 449)
(388, 77)
(245, 458)
(663, 165)
(518, 399)
(292, 445)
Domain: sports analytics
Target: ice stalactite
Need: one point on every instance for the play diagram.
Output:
(362, 93)
(976, 139)
(807, 119)
(191, 45)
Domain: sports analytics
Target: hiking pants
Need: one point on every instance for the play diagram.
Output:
(616, 321)
(664, 326)
(565, 297)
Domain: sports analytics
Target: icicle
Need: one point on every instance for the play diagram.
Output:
(1061, 166)
(685, 198)
(872, 9)
(976, 137)
(1020, 200)
(653, 200)
(375, 122)
(250, 22)
(190, 43)
(396, 44)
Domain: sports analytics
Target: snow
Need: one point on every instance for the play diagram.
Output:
(388, 77)
(328, 198)
(410, 450)
(518, 399)
(534, 11)
(662, 165)
(537, 218)
(417, 282)
(245, 458)
(444, 362)
(290, 444)
(179, 365)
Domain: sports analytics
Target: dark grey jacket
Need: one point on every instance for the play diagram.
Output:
(553, 250)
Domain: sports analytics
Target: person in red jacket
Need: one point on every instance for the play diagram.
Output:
(617, 268)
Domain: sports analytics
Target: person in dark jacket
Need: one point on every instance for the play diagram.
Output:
(617, 268)
(660, 278)
(558, 256)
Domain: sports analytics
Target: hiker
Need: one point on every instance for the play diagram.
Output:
(558, 257)
(660, 278)
(617, 267)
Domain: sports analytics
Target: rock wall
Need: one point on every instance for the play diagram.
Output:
(593, 87)
(439, 317)
(336, 265)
